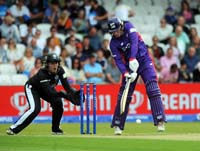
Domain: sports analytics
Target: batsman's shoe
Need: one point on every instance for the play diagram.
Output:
(161, 127)
(57, 132)
(10, 132)
(117, 131)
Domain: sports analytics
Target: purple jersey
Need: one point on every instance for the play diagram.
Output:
(129, 46)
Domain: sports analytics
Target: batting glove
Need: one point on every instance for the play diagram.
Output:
(133, 65)
(131, 76)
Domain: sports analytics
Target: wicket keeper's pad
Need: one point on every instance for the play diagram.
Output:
(124, 96)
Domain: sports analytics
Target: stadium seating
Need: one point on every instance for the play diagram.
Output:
(7, 69)
(197, 19)
(21, 47)
(18, 79)
(197, 26)
(5, 80)
(45, 28)
(62, 37)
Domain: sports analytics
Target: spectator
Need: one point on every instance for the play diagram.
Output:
(112, 72)
(65, 58)
(122, 10)
(182, 39)
(173, 44)
(193, 33)
(77, 71)
(3, 10)
(167, 60)
(79, 52)
(31, 29)
(95, 40)
(86, 7)
(196, 45)
(52, 13)
(184, 75)
(14, 55)
(36, 8)
(98, 16)
(181, 22)
(191, 59)
(106, 48)
(53, 36)
(37, 51)
(10, 30)
(41, 41)
(186, 12)
(80, 23)
(71, 46)
(52, 47)
(27, 62)
(36, 68)
(93, 71)
(87, 47)
(3, 52)
(163, 31)
(157, 53)
(157, 50)
(71, 6)
(20, 11)
(72, 32)
(170, 76)
(64, 22)
(196, 73)
(101, 59)
(170, 15)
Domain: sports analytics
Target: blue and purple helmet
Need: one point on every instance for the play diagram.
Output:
(114, 24)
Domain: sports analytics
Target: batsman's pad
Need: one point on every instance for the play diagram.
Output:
(154, 95)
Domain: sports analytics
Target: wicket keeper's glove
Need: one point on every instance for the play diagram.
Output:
(74, 97)
(77, 98)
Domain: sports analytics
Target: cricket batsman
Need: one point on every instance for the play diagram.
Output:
(132, 58)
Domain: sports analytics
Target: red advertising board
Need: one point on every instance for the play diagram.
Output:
(177, 99)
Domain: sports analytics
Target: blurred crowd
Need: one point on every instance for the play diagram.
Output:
(76, 30)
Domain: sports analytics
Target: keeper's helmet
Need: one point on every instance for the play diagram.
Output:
(114, 24)
(52, 58)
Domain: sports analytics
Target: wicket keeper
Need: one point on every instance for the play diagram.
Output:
(42, 85)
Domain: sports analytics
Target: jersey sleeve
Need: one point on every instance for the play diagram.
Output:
(47, 88)
(117, 57)
(64, 81)
(133, 36)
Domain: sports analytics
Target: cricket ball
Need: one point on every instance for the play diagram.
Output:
(138, 121)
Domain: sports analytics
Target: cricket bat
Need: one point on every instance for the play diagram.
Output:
(124, 96)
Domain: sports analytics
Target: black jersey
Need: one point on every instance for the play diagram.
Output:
(44, 82)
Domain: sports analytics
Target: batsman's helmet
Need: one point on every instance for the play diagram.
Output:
(52, 58)
(114, 24)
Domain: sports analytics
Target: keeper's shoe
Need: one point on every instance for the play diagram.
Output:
(161, 127)
(57, 132)
(10, 132)
(117, 131)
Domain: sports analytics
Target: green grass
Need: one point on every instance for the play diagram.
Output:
(136, 137)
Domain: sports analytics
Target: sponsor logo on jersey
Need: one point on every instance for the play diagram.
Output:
(132, 30)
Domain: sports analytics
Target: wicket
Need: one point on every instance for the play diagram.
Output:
(87, 107)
